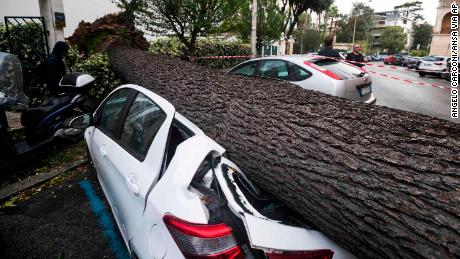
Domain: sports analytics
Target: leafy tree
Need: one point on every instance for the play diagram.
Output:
(295, 8)
(411, 9)
(130, 7)
(393, 38)
(269, 22)
(364, 16)
(333, 15)
(422, 35)
(187, 18)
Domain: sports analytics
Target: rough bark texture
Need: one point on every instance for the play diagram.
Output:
(382, 182)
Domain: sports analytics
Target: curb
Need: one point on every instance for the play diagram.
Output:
(13, 189)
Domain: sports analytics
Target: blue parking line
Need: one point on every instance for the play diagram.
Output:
(105, 222)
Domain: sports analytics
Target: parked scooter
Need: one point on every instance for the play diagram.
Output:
(42, 124)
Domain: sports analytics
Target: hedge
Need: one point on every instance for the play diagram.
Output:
(204, 48)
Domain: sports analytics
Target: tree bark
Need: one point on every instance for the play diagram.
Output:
(381, 182)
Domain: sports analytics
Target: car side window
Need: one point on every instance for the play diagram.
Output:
(300, 73)
(274, 69)
(246, 69)
(112, 111)
(142, 123)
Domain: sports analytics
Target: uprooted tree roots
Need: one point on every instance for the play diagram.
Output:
(381, 182)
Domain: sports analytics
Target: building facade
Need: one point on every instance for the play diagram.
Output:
(440, 43)
(389, 19)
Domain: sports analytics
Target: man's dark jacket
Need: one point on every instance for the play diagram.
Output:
(329, 52)
(55, 67)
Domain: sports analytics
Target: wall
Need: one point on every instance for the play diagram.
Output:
(75, 10)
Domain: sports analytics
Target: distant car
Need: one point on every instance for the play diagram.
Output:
(433, 65)
(383, 56)
(313, 72)
(174, 194)
(413, 62)
(394, 60)
(374, 58)
(447, 75)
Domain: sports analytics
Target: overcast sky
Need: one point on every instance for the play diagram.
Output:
(89, 10)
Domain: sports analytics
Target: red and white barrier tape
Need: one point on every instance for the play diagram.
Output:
(222, 57)
(410, 81)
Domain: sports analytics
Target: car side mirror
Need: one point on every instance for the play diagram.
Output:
(82, 121)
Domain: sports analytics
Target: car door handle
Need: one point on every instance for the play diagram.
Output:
(132, 185)
(103, 152)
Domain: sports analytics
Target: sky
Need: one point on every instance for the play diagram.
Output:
(89, 10)
(429, 6)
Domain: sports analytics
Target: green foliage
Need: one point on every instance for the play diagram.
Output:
(130, 8)
(269, 22)
(298, 7)
(364, 16)
(204, 48)
(422, 35)
(96, 64)
(393, 38)
(27, 45)
(170, 46)
(411, 9)
(221, 48)
(419, 52)
(307, 41)
(92, 41)
(3, 40)
(187, 19)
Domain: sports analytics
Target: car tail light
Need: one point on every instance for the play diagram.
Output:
(438, 63)
(317, 254)
(203, 241)
(322, 70)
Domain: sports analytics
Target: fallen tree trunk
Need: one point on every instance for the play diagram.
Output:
(381, 182)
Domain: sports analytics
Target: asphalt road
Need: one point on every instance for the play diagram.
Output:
(413, 97)
(70, 219)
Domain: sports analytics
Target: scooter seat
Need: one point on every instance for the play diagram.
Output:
(32, 116)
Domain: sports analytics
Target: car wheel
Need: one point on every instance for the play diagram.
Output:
(421, 74)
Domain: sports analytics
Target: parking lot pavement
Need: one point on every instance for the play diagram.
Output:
(411, 96)
(61, 219)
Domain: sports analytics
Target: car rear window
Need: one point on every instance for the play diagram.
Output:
(433, 59)
(342, 70)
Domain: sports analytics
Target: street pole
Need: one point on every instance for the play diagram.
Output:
(354, 32)
(254, 29)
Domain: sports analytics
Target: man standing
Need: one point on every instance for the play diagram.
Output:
(356, 57)
(328, 51)
(55, 67)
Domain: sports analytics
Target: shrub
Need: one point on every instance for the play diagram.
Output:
(170, 46)
(419, 52)
(211, 47)
(96, 64)
(204, 48)
(3, 39)
(28, 46)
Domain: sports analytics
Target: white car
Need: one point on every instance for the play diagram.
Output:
(175, 195)
(433, 65)
(313, 72)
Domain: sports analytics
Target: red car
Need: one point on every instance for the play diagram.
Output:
(393, 60)
(389, 60)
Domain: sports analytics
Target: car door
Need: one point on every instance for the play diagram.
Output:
(246, 69)
(136, 156)
(275, 68)
(106, 131)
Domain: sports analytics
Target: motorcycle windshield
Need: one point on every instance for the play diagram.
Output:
(11, 79)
